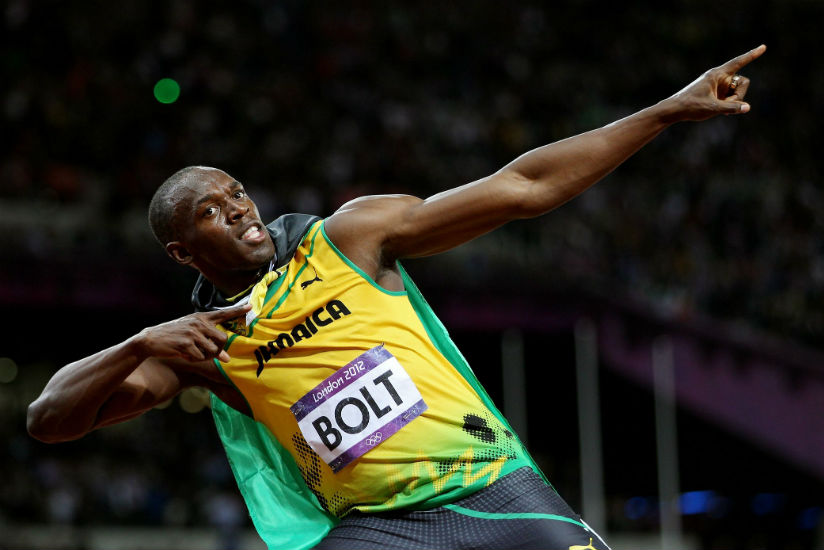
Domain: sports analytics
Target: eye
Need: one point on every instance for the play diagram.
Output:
(209, 211)
(239, 195)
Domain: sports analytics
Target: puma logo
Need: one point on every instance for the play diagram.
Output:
(305, 284)
(588, 547)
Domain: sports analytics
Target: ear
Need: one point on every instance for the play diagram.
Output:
(179, 253)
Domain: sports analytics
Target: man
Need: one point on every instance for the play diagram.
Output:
(359, 416)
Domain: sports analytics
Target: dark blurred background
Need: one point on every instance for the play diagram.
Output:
(708, 238)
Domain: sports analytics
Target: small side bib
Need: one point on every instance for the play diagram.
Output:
(358, 407)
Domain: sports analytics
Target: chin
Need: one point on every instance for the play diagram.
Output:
(261, 258)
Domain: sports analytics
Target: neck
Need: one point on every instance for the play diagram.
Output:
(232, 284)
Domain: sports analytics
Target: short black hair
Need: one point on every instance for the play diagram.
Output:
(162, 206)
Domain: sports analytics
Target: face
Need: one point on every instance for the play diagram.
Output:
(219, 227)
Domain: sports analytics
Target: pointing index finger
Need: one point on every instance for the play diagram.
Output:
(220, 315)
(737, 63)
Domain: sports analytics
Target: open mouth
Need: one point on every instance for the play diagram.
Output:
(253, 234)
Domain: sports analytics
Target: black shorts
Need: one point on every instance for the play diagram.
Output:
(517, 511)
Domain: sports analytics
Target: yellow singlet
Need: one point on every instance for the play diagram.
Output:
(356, 385)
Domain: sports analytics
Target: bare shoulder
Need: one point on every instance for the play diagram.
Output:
(363, 228)
(368, 213)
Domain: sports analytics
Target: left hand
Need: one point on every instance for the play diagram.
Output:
(720, 90)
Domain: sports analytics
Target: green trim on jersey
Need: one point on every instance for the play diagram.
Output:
(503, 516)
(284, 511)
(358, 270)
(443, 342)
(271, 292)
(226, 376)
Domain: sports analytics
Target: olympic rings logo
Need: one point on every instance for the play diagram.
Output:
(373, 439)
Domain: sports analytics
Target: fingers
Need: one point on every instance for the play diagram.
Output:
(211, 341)
(737, 63)
(196, 337)
(718, 91)
(220, 315)
(212, 332)
(732, 87)
(204, 342)
(201, 352)
(210, 344)
(740, 90)
(192, 353)
(202, 338)
(734, 107)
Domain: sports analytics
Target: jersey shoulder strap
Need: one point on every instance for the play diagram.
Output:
(287, 233)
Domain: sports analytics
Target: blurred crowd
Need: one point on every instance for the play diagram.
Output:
(165, 469)
(312, 104)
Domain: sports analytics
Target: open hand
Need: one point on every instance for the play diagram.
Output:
(720, 90)
(194, 337)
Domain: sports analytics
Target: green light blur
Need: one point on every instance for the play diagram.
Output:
(8, 370)
(167, 90)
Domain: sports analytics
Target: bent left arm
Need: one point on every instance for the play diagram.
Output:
(376, 231)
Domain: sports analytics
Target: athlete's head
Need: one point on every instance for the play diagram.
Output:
(203, 217)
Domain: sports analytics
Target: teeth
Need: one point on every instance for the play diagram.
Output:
(251, 233)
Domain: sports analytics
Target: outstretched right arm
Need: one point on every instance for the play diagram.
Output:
(126, 380)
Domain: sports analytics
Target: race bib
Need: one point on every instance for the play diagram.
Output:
(357, 408)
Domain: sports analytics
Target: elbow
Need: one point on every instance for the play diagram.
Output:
(42, 425)
(35, 424)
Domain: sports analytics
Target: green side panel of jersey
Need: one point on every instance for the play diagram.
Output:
(440, 337)
(283, 510)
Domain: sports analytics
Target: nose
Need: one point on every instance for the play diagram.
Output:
(236, 212)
